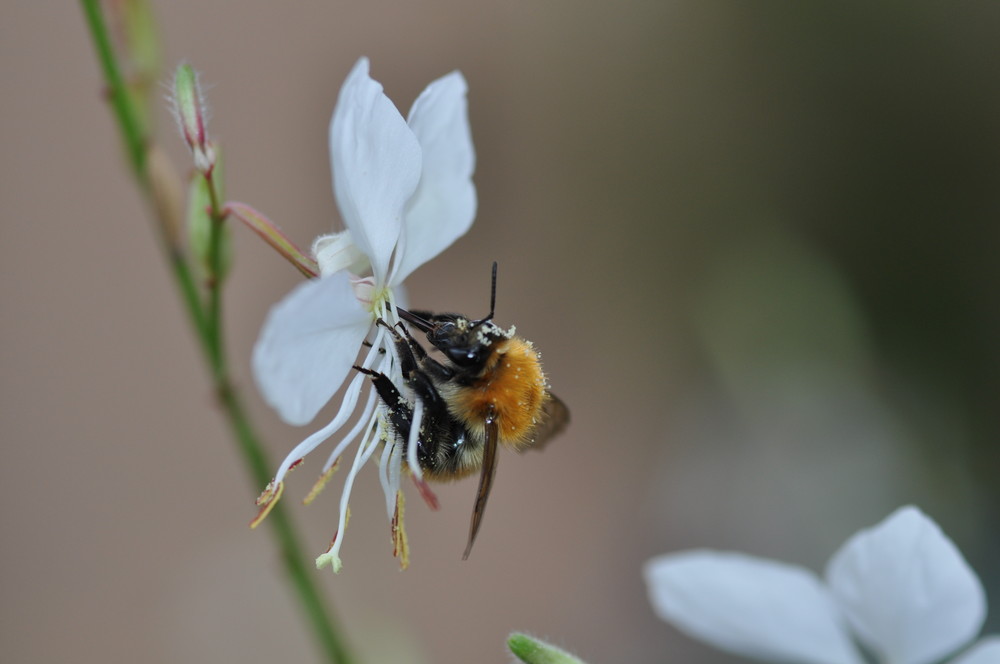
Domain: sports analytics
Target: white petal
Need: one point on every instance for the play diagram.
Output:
(308, 344)
(986, 651)
(906, 590)
(376, 166)
(444, 205)
(749, 606)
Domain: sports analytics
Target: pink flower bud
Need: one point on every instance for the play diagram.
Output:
(192, 117)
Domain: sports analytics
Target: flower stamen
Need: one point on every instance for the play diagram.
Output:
(320, 484)
(267, 500)
(400, 545)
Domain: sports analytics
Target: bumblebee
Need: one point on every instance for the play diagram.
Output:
(490, 390)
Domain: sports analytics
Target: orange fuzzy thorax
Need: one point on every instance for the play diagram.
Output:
(514, 384)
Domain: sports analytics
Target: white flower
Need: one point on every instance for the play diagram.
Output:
(405, 193)
(901, 588)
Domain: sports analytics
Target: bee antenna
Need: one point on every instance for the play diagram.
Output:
(493, 292)
(493, 299)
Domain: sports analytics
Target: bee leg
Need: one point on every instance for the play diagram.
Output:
(401, 416)
(400, 410)
(417, 370)
(407, 350)
(420, 356)
(418, 351)
(427, 363)
(412, 356)
(436, 369)
(368, 344)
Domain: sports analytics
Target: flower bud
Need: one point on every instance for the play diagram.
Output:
(192, 117)
(535, 651)
(199, 226)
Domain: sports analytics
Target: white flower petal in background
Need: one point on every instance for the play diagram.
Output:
(376, 166)
(987, 651)
(307, 345)
(750, 606)
(444, 205)
(902, 588)
(906, 589)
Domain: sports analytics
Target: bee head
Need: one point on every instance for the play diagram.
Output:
(467, 343)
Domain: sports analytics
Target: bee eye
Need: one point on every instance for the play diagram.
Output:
(444, 329)
(442, 332)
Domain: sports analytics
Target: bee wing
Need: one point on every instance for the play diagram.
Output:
(554, 420)
(487, 473)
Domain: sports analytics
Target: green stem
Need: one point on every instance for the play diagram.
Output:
(206, 321)
(135, 142)
(217, 218)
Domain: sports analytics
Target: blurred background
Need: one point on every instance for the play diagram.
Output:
(756, 244)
